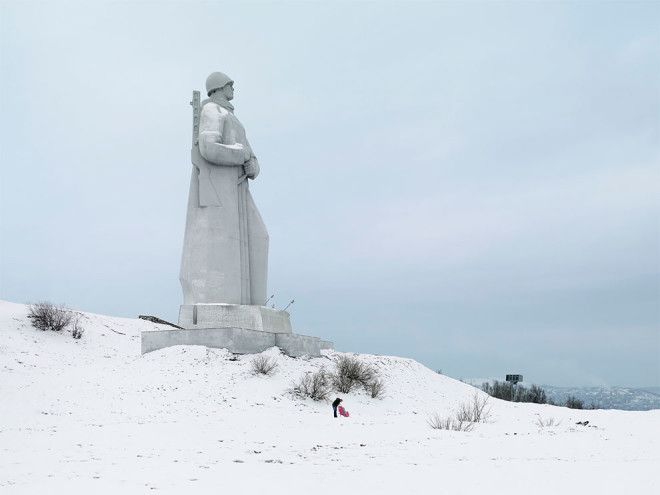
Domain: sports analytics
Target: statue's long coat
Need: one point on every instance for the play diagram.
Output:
(225, 247)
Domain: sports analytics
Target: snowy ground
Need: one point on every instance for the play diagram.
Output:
(94, 415)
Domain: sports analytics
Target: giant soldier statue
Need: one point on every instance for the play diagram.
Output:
(225, 248)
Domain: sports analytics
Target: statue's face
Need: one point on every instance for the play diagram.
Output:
(228, 91)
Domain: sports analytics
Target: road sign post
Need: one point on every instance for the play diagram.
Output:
(513, 380)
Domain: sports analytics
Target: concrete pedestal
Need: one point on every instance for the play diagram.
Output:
(241, 329)
(258, 318)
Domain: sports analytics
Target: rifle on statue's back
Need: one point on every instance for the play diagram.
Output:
(196, 107)
(208, 196)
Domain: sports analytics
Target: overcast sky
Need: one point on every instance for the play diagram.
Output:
(473, 185)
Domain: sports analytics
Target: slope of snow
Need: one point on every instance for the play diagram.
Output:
(93, 414)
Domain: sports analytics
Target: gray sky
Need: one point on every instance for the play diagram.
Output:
(473, 185)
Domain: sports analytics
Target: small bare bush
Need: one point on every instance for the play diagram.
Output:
(475, 411)
(438, 422)
(47, 316)
(351, 372)
(465, 418)
(264, 365)
(76, 328)
(316, 386)
(376, 388)
(547, 423)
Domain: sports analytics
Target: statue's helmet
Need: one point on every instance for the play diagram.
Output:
(217, 80)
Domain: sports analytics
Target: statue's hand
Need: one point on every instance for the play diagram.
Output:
(251, 168)
(247, 153)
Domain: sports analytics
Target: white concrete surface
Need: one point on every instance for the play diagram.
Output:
(236, 340)
(259, 318)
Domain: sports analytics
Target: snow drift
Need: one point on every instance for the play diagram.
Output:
(93, 414)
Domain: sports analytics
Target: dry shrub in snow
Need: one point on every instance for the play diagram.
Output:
(264, 365)
(47, 316)
(547, 423)
(376, 388)
(475, 411)
(313, 385)
(77, 330)
(438, 422)
(468, 414)
(351, 372)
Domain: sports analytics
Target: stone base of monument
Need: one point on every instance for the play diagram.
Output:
(239, 328)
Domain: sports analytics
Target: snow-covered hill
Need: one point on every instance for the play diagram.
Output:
(93, 414)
